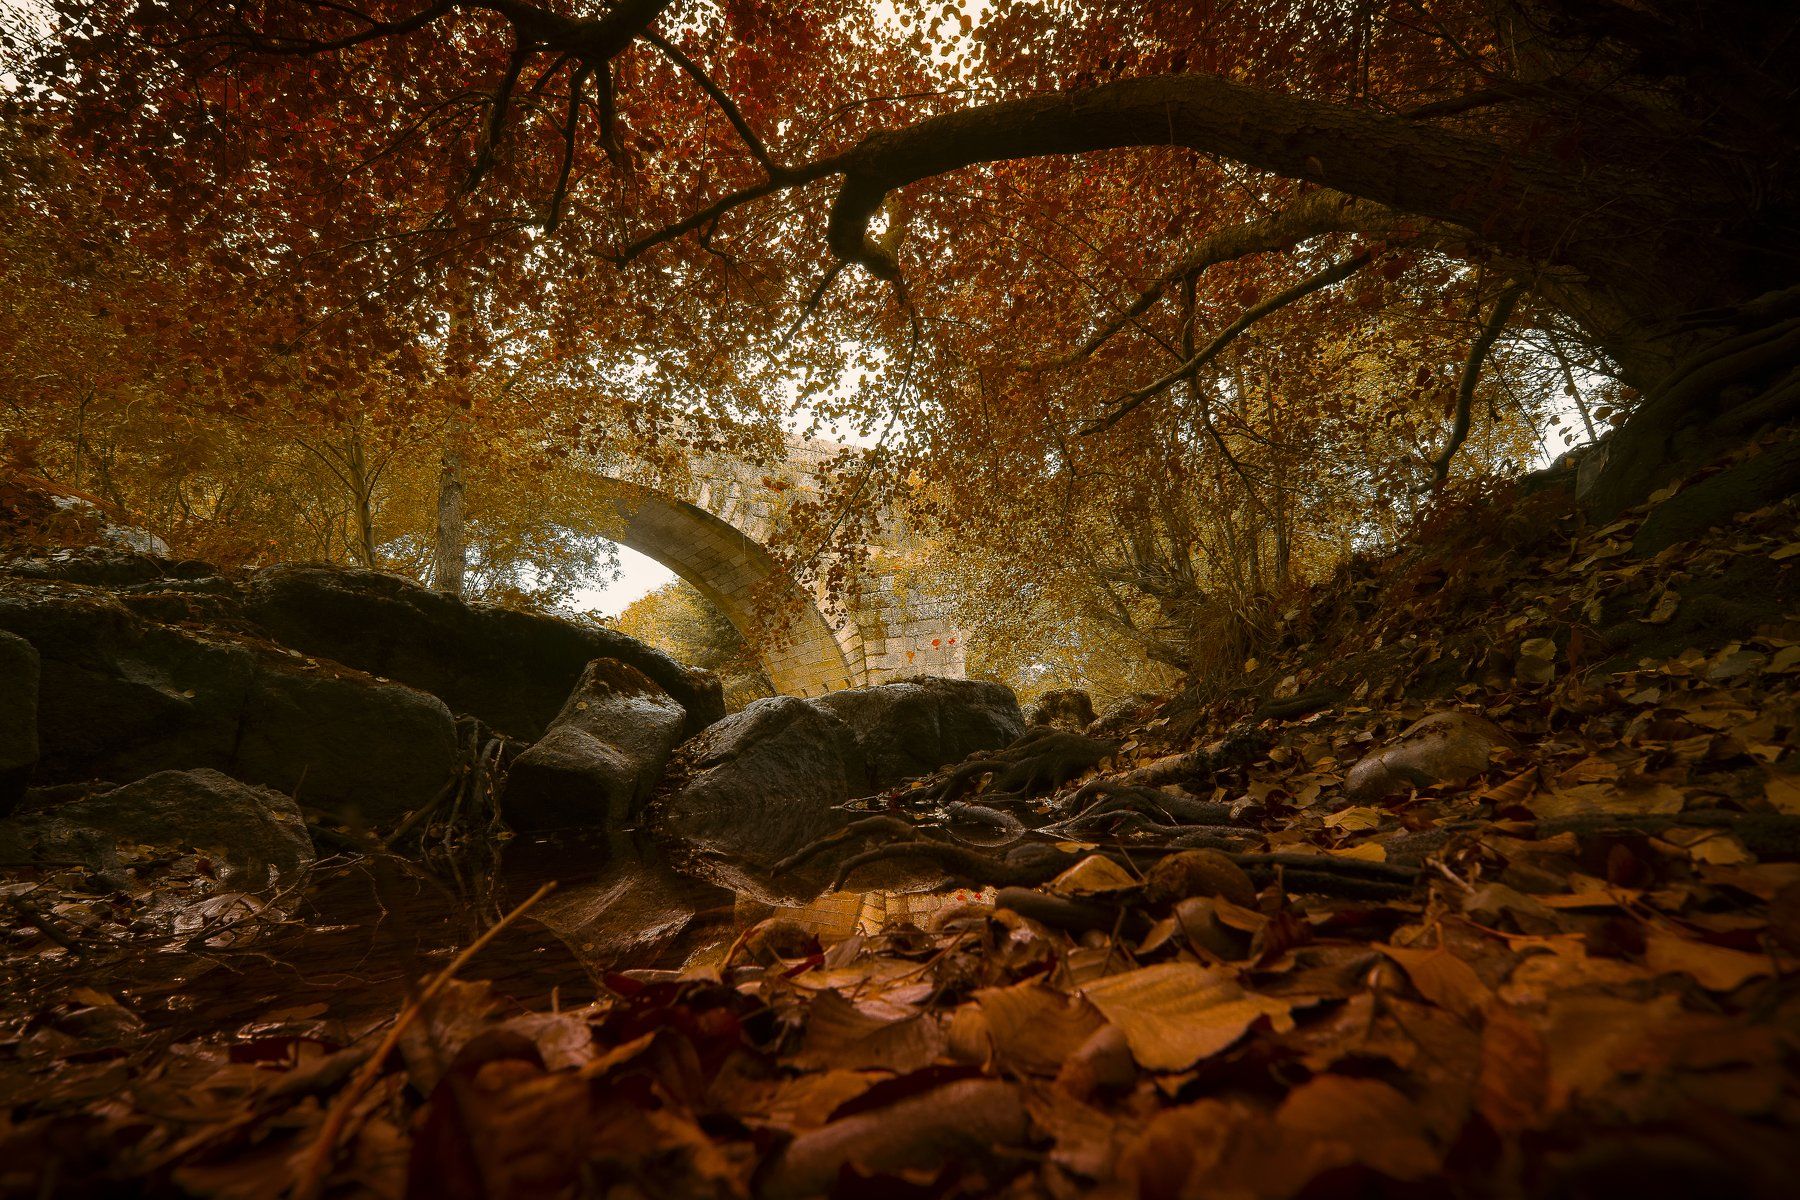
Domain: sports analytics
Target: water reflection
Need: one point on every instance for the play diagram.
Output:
(370, 927)
(629, 900)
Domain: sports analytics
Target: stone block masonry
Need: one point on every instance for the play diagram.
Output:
(716, 537)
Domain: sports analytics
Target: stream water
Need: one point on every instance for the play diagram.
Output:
(369, 928)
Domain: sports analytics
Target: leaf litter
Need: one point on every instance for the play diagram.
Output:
(1560, 960)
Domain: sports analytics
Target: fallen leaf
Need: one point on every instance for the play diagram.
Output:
(1092, 876)
(1444, 979)
(1033, 1028)
(1175, 1014)
(1715, 968)
(844, 1036)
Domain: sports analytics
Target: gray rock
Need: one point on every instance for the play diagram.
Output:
(911, 727)
(1065, 708)
(18, 718)
(1447, 747)
(511, 669)
(354, 746)
(110, 567)
(254, 836)
(121, 697)
(601, 756)
(765, 781)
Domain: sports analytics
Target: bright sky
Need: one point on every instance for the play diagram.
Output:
(638, 577)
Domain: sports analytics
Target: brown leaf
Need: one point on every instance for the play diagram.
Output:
(1443, 979)
(1175, 1014)
(1093, 876)
(1715, 968)
(1515, 1073)
(1589, 1037)
(961, 1120)
(1198, 873)
(1341, 1120)
(1033, 1028)
(842, 1035)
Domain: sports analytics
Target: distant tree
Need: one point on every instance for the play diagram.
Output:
(679, 621)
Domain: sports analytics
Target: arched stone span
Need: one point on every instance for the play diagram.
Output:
(716, 538)
(735, 573)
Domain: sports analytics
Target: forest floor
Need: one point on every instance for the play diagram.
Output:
(1547, 947)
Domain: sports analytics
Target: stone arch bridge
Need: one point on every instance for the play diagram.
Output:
(716, 537)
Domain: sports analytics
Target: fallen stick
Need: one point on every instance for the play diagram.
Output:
(309, 1177)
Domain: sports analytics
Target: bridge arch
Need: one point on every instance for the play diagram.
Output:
(738, 576)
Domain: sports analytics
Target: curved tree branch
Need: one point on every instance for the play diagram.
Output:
(752, 142)
(1514, 197)
(1317, 212)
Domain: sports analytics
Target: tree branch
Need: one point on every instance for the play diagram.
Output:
(1335, 273)
(571, 125)
(1516, 198)
(1318, 212)
(1471, 374)
(726, 105)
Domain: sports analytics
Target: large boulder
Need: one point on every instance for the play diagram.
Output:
(511, 669)
(765, 781)
(18, 717)
(1444, 748)
(341, 741)
(254, 837)
(601, 756)
(120, 697)
(911, 727)
(107, 567)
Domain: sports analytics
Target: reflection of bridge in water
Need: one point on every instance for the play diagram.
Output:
(716, 538)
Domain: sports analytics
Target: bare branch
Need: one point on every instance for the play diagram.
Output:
(571, 125)
(718, 208)
(496, 123)
(813, 301)
(732, 113)
(1471, 374)
(1317, 212)
(1336, 273)
(606, 101)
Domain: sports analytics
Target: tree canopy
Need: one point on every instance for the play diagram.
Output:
(1238, 281)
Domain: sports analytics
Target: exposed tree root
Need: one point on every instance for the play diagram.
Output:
(1324, 864)
(1041, 761)
(1061, 912)
(895, 826)
(1762, 833)
(1153, 801)
(1024, 866)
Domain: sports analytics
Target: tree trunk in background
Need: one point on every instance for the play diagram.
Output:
(451, 557)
